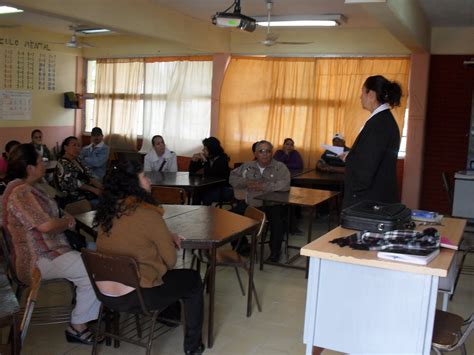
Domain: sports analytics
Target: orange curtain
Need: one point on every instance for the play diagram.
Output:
(307, 99)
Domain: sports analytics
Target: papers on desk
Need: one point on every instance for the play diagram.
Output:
(419, 258)
(332, 148)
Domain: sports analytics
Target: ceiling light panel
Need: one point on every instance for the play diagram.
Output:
(8, 10)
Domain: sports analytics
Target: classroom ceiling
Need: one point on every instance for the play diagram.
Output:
(440, 13)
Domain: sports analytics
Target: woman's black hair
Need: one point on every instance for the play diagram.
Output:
(386, 91)
(20, 157)
(35, 131)
(65, 143)
(9, 146)
(120, 182)
(214, 147)
(288, 139)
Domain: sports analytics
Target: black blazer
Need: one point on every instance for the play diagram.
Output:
(371, 165)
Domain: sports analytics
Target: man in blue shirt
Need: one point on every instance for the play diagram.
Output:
(96, 154)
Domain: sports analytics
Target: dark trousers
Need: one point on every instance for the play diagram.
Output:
(179, 284)
(276, 215)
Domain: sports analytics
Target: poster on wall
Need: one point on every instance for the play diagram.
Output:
(15, 105)
(26, 65)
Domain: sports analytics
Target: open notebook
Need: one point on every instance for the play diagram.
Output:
(419, 257)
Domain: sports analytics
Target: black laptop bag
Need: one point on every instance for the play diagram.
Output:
(375, 216)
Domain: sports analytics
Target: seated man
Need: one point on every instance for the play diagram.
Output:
(160, 158)
(330, 162)
(96, 154)
(257, 177)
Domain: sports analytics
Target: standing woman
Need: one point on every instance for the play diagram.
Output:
(131, 223)
(289, 156)
(33, 221)
(371, 164)
(37, 141)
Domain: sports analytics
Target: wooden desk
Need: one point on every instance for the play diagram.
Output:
(319, 178)
(9, 311)
(357, 303)
(190, 182)
(204, 228)
(298, 172)
(297, 196)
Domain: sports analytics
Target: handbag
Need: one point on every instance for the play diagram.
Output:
(76, 240)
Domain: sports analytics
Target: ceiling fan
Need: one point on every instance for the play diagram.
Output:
(73, 41)
(272, 38)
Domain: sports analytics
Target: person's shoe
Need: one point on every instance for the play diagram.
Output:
(85, 336)
(198, 351)
(296, 231)
(275, 257)
(244, 250)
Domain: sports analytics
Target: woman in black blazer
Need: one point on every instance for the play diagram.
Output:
(371, 164)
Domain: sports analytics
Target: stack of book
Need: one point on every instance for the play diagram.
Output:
(413, 256)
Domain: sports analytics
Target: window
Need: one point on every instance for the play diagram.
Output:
(174, 98)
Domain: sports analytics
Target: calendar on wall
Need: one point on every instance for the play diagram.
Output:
(15, 105)
(26, 65)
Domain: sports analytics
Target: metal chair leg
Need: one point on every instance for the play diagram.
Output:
(240, 281)
(256, 297)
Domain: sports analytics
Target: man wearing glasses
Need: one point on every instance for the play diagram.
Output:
(257, 177)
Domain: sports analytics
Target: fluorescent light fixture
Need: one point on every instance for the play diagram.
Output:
(302, 21)
(8, 10)
(88, 31)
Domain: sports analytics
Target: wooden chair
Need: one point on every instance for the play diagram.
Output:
(451, 332)
(231, 258)
(183, 162)
(19, 331)
(122, 269)
(169, 195)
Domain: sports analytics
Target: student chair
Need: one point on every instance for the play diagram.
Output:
(169, 195)
(231, 258)
(122, 269)
(19, 331)
(451, 332)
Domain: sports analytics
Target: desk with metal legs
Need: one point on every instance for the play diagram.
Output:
(357, 303)
(297, 196)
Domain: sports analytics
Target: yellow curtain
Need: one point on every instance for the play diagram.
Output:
(307, 99)
(118, 104)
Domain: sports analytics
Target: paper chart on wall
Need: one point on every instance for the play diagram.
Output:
(15, 105)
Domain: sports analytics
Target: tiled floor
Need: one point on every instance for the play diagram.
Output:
(278, 329)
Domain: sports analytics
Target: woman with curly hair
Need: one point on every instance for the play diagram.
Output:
(131, 223)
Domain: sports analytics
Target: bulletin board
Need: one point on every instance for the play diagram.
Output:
(15, 105)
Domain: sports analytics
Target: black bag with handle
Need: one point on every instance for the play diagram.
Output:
(376, 216)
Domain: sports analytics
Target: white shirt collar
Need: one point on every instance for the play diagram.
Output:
(379, 109)
(155, 157)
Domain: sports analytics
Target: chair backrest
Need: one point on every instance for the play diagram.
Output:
(183, 162)
(7, 248)
(30, 303)
(78, 207)
(169, 195)
(256, 214)
(117, 268)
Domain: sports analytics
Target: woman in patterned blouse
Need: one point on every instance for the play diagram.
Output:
(74, 178)
(33, 222)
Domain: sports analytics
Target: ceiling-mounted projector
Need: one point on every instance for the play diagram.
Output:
(234, 19)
